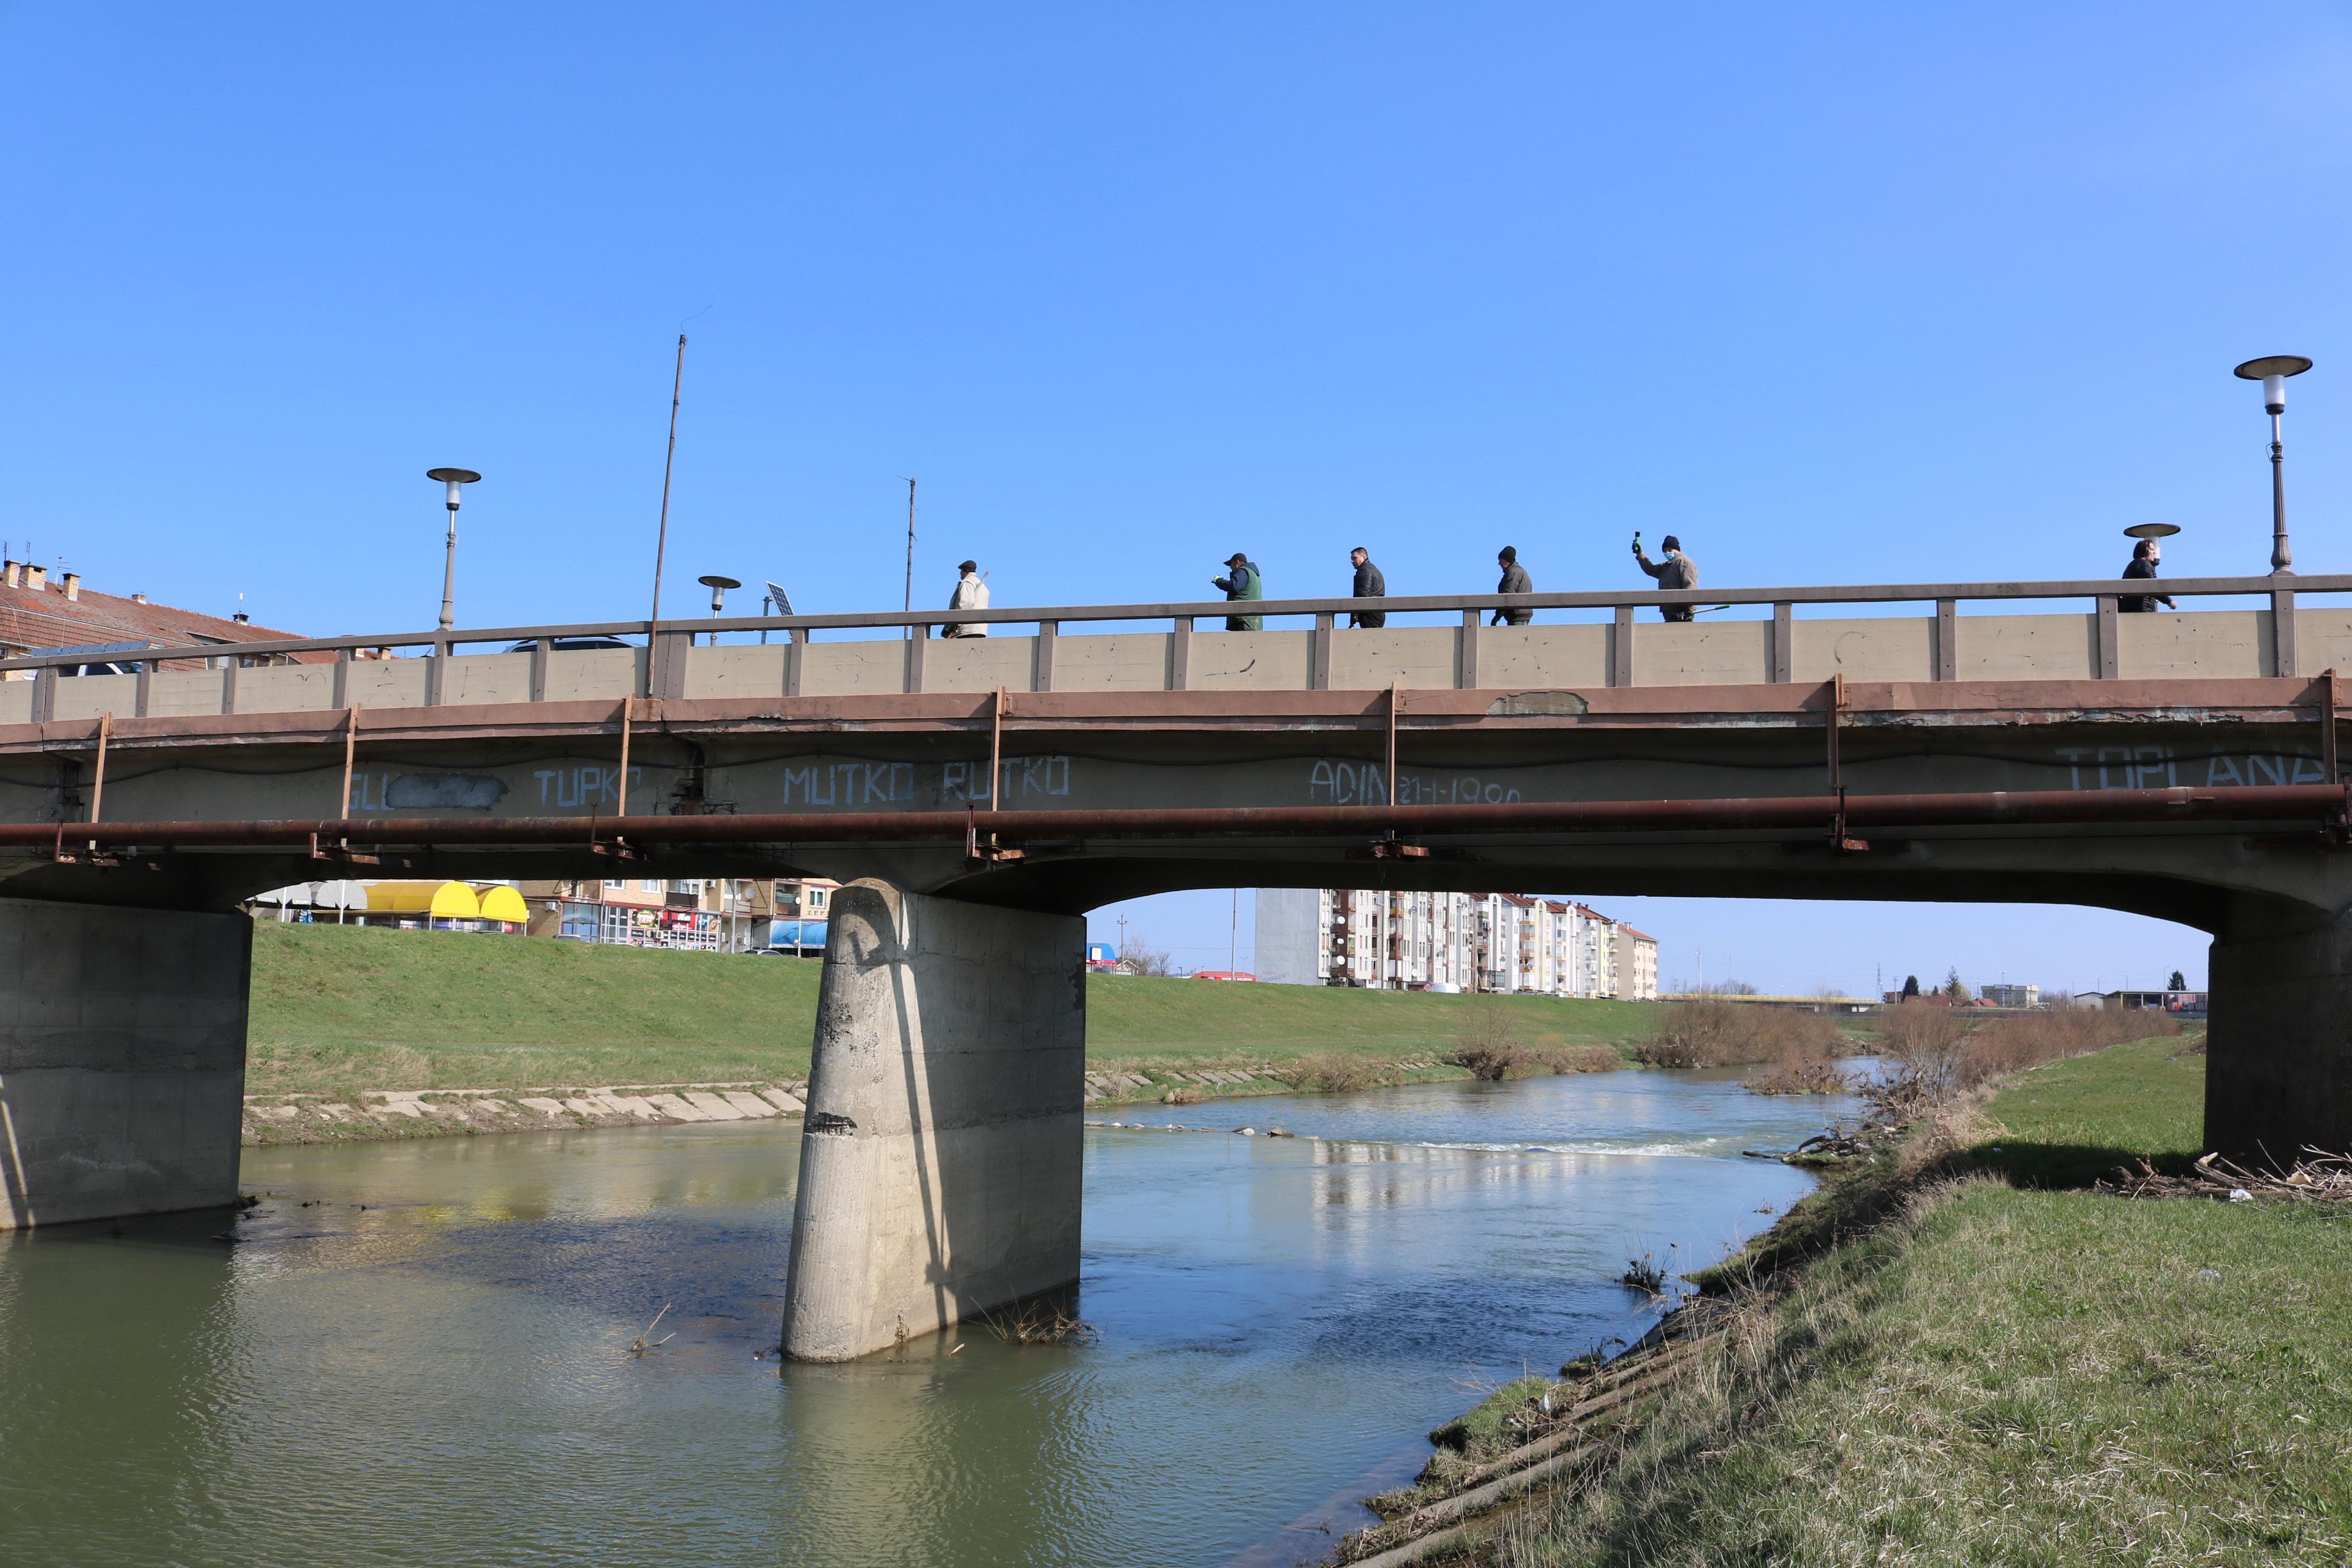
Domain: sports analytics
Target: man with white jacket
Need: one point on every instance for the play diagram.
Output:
(971, 593)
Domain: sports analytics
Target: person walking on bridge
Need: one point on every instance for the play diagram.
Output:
(1370, 585)
(1515, 580)
(1243, 581)
(2144, 555)
(1677, 571)
(971, 593)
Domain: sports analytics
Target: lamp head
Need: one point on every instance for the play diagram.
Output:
(2271, 371)
(718, 586)
(454, 478)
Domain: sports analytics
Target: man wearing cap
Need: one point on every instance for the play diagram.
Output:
(971, 593)
(1515, 580)
(1370, 585)
(1243, 583)
(1677, 571)
(2144, 555)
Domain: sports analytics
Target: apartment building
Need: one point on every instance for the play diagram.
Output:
(1450, 942)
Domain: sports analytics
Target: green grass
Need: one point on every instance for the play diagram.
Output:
(1134, 1016)
(2070, 1123)
(341, 1008)
(1992, 1375)
(2011, 1378)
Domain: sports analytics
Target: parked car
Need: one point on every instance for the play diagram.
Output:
(572, 645)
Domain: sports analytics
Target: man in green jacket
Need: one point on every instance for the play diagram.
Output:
(1243, 583)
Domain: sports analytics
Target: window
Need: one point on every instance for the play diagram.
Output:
(650, 885)
(613, 886)
(817, 898)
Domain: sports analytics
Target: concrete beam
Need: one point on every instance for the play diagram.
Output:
(940, 1161)
(121, 1060)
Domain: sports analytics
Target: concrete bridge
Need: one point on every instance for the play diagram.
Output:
(1871, 742)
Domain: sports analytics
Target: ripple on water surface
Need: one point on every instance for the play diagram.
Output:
(440, 1376)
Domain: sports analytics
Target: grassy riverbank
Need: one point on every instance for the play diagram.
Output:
(1971, 1371)
(340, 1009)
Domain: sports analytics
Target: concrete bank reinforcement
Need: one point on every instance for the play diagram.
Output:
(275, 1119)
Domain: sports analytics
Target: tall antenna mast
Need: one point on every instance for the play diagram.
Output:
(661, 537)
(910, 554)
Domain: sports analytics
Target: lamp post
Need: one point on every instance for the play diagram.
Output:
(456, 480)
(718, 586)
(2271, 371)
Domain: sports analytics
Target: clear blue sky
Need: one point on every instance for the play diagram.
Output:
(1836, 293)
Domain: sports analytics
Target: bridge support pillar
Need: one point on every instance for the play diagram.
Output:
(939, 1164)
(121, 1059)
(2278, 1068)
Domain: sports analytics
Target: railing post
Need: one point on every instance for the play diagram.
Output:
(436, 663)
(44, 694)
(916, 644)
(665, 664)
(1621, 648)
(1948, 639)
(1319, 655)
(1784, 643)
(140, 692)
(2283, 630)
(228, 684)
(1466, 666)
(541, 650)
(794, 660)
(2110, 662)
(342, 693)
(1046, 632)
(1180, 655)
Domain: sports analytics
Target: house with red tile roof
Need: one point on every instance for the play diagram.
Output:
(41, 615)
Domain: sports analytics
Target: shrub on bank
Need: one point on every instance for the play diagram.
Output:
(1936, 1053)
(1488, 1045)
(1733, 1034)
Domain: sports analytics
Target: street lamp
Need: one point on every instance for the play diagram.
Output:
(2271, 371)
(456, 478)
(718, 586)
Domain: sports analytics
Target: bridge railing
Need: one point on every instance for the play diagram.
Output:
(2264, 644)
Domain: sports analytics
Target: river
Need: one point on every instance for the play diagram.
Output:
(416, 1351)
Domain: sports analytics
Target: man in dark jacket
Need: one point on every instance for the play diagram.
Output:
(1243, 583)
(2144, 555)
(1677, 571)
(1370, 585)
(1515, 580)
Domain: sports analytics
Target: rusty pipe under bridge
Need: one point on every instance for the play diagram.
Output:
(2323, 809)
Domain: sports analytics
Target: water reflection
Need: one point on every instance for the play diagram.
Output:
(439, 1375)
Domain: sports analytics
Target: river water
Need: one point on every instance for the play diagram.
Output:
(416, 1351)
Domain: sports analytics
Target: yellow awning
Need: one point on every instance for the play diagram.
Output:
(503, 903)
(441, 900)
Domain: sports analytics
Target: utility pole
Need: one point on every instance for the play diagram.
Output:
(1234, 935)
(653, 619)
(910, 554)
(1122, 936)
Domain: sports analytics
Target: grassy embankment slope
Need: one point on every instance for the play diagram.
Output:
(2019, 1375)
(338, 1009)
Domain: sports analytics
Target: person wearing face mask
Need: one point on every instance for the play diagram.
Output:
(2144, 555)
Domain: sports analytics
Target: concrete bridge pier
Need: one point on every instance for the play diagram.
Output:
(941, 1160)
(2278, 1070)
(121, 1059)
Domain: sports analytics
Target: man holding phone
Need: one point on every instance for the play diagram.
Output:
(1677, 571)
